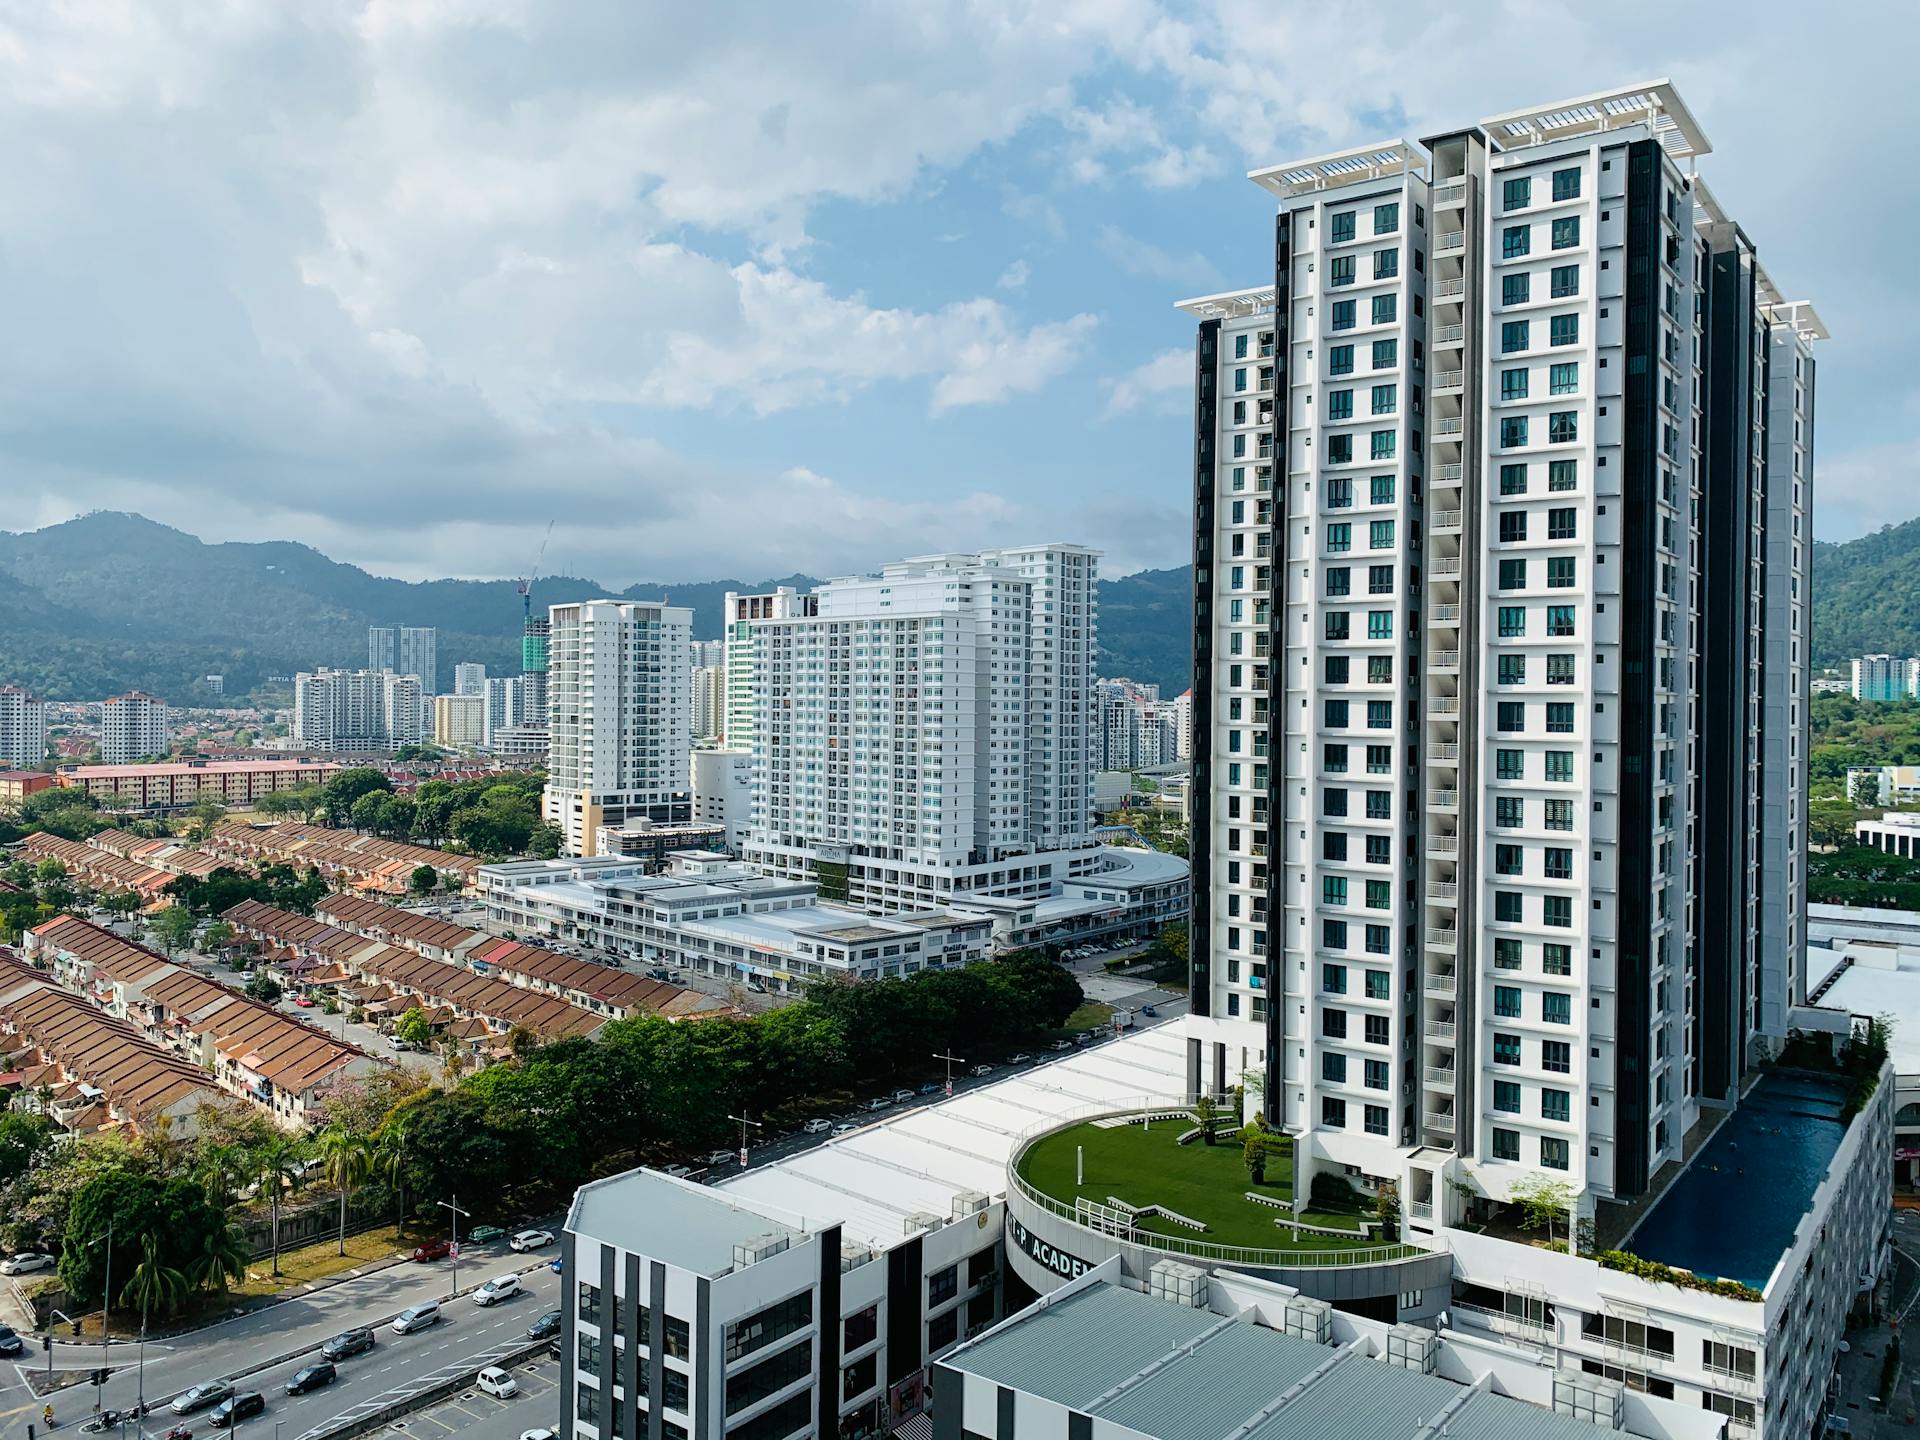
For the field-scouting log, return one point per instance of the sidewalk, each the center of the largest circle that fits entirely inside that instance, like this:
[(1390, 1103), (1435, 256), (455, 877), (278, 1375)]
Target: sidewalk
[(1859, 1371)]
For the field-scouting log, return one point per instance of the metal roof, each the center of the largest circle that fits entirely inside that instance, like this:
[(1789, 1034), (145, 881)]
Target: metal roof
[(1230, 304), (1343, 167), (1655, 103)]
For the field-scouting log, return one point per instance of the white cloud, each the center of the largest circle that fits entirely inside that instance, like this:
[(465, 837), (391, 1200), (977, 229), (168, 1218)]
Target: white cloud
[(1139, 257), (1014, 277), (1863, 489), (1164, 383)]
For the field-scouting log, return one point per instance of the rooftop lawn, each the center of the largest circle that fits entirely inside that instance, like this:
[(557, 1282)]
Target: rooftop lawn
[(1145, 1166)]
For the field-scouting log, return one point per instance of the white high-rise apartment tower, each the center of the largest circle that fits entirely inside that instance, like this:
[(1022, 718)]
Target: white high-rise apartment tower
[(132, 727), (741, 615), (406, 650), (470, 678), (618, 676), (1501, 585), (342, 710), (23, 727)]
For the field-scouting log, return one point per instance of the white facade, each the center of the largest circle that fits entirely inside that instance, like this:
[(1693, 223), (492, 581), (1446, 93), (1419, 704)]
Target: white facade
[(133, 727), (742, 613), (23, 727), (707, 703), (470, 678), (1136, 730), (617, 682), (406, 709), (723, 793), (507, 704), (343, 710), (459, 721), (1883, 677), (406, 650)]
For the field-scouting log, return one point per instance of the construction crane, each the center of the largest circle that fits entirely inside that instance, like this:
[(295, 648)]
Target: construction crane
[(525, 584)]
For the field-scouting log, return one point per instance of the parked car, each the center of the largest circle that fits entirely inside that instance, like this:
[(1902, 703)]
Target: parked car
[(498, 1383), (843, 1128), (1087, 1037), (721, 1157), (241, 1407), (417, 1317), (932, 1087), (349, 1343), (1019, 1057), (1149, 1012), (311, 1377), (498, 1288), (540, 1434), (25, 1263), (1060, 1045), (902, 1096), (207, 1392), (10, 1343), (981, 1070), (530, 1240), (817, 1127), (483, 1233), (547, 1325), (432, 1250), (880, 1102), (679, 1172)]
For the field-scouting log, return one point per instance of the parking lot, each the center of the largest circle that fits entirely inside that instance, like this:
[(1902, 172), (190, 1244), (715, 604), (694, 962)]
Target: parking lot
[(475, 1416)]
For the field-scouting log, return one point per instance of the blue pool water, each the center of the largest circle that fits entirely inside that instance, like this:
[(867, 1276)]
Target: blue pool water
[(1732, 1212)]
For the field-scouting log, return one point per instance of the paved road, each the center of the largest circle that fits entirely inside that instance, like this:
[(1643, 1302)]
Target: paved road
[(172, 1366), (473, 1416)]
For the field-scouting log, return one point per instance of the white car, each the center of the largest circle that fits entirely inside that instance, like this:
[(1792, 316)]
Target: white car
[(844, 1129), (498, 1383), (25, 1263), (817, 1127), (530, 1240), (541, 1434), (498, 1288)]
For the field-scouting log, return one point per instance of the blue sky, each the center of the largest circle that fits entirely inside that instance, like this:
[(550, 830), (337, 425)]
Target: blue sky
[(743, 289)]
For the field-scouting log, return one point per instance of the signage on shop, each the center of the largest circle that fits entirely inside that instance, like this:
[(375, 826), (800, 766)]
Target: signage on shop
[(1045, 1254)]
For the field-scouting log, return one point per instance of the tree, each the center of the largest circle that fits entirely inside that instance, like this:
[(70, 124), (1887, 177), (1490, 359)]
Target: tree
[(1207, 1114), (154, 1284), (49, 870), (345, 789), (263, 987), (392, 1155), (1253, 1151), (173, 927), (412, 1028), (220, 1258), (216, 936), (204, 817), (24, 1138), (423, 880), (347, 1161), (1866, 790), (275, 1165), (367, 810), (1542, 1200)]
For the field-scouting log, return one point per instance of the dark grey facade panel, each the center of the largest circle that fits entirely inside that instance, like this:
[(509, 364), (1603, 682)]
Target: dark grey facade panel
[(1206, 357)]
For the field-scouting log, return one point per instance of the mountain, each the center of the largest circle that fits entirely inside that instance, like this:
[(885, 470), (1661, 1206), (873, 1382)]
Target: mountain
[(111, 602), (1866, 596)]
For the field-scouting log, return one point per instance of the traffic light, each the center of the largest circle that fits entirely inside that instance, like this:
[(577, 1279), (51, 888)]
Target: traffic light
[(46, 1344), (100, 1376)]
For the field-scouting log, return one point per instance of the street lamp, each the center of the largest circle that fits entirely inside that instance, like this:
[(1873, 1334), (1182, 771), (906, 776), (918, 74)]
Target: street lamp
[(952, 1060), (453, 1248), (744, 1123)]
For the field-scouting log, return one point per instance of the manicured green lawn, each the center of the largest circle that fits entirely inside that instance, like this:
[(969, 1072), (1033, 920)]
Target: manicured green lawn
[(1205, 1183)]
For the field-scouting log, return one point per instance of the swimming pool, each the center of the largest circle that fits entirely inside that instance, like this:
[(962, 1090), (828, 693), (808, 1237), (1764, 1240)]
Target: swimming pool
[(1732, 1212)]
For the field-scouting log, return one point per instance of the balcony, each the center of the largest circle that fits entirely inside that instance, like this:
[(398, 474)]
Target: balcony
[(1439, 1075), (1440, 1030), (1444, 614), (1446, 659), (1446, 569), (1443, 844), (1440, 984), (1450, 194), (1453, 242), (1449, 474), (1449, 289), (1453, 425), (1441, 1121), (1449, 335), (1449, 382), (1444, 752), (1420, 1209), (1443, 705), (1446, 520), (1443, 799), (1443, 937)]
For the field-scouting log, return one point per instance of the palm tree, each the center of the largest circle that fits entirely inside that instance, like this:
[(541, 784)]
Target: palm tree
[(223, 1169), (223, 1257), (274, 1164), (154, 1286), (347, 1162), (391, 1156)]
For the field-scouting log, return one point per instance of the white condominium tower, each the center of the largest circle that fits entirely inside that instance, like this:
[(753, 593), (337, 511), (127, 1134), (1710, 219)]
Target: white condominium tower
[(1501, 569), (470, 678), (922, 735), (342, 710), (23, 727), (743, 613), (618, 673), (405, 650), (132, 727)]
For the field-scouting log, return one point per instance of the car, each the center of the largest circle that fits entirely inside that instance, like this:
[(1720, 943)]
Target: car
[(981, 1070), (348, 1343), (311, 1377), (530, 1240), (843, 1128), (241, 1407), (880, 1102), (545, 1327), (721, 1157), (1019, 1057), (932, 1087), (1149, 1012), (432, 1250), (305, 1002), (679, 1172), (900, 1097), (483, 1233), (25, 1263), (541, 1434), (498, 1383), (10, 1343), (817, 1127), (1087, 1037), (559, 1264), (417, 1317), (207, 1392), (498, 1288), (1060, 1045)]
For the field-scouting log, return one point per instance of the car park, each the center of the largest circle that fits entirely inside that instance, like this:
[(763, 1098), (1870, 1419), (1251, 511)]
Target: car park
[(530, 1240), (498, 1288), (241, 1407), (208, 1392), (498, 1383), (547, 1326), (817, 1127), (25, 1263), (417, 1317), (349, 1343), (432, 1250), (311, 1377)]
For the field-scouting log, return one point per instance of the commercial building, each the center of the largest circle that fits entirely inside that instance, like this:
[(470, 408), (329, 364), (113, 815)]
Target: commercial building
[(723, 793), (23, 727), (406, 650), (1865, 962), (616, 716), (17, 785), (1895, 832), (652, 841), (177, 784), (470, 678), (1884, 677), (133, 727), (710, 915), (521, 743), (739, 617), (459, 721)]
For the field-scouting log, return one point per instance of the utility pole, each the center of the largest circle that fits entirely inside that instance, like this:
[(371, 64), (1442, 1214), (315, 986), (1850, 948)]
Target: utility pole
[(744, 1123), (106, 1320), (952, 1060), (453, 1248)]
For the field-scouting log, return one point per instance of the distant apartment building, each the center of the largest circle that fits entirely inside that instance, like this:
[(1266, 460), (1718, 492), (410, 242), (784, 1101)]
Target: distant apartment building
[(17, 785), (617, 680), (723, 793), (23, 727), (469, 678), (405, 709), (133, 727), (740, 617), (707, 704), (533, 668), (406, 650), (175, 785), (1136, 729), (1884, 677), (459, 721), (506, 705), (355, 710)]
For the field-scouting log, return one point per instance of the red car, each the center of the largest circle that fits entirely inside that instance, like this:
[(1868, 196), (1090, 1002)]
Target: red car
[(433, 1250), (303, 1002)]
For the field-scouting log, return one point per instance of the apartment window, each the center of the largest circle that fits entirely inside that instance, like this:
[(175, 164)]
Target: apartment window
[(1558, 912), (1556, 959), (1386, 218), (1339, 404), (1240, 378), (1560, 572), (1386, 264), (1563, 427), (1333, 888), (1333, 933), (1339, 449), (1380, 534), (1507, 909), (1333, 802), (1563, 282), (1513, 478), (1379, 762), (1375, 1075), (1379, 579), (1556, 1006), (1333, 979), (1343, 315), (1509, 812), (1562, 524), (1379, 895), (1559, 621), (1560, 766), (1513, 383), (1333, 1112), (1506, 1096), (1559, 863), (1510, 717), (1508, 859), (1506, 1049), (1376, 1119), (1379, 624), (1333, 1024), (1339, 537), (1516, 194), (1380, 802), (1340, 270), (1333, 1067), (1513, 336), (1379, 940), (1513, 669), (1334, 714), (1553, 1153), (1506, 953), (1239, 347), (1566, 232), (1564, 379), (1566, 185), (1514, 288), (1506, 1143), (1340, 227), (1513, 526), (1338, 623), (1563, 474), (1515, 241), (1559, 815), (1510, 765), (1727, 1360), (1513, 432), (1340, 360), (1380, 488), (1339, 493), (1376, 1032), (1386, 309), (1339, 580), (1513, 574), (1559, 717), (1379, 717), (1513, 618), (1386, 354), (1385, 399), (1379, 987), (1556, 1056), (1563, 330)]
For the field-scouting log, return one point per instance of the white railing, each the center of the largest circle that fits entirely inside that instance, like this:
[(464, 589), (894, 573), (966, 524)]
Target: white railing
[(1443, 844), (1446, 569), (1450, 243), (1448, 380), (1443, 936), (1439, 1029), (1446, 519), (1420, 1209), (1444, 752), (1443, 799), (1439, 1074), (1449, 289), (1444, 614), (1453, 425), (1452, 193), (1441, 889), (1449, 334), (1443, 705), (1449, 474), (1446, 659), (1438, 1121), (1440, 984)]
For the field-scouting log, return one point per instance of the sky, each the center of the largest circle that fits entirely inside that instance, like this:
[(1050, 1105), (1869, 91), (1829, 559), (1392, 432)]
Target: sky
[(739, 289)]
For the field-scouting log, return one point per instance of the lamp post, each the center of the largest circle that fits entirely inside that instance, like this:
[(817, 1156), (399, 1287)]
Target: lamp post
[(952, 1060), (453, 1248), (744, 1123)]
